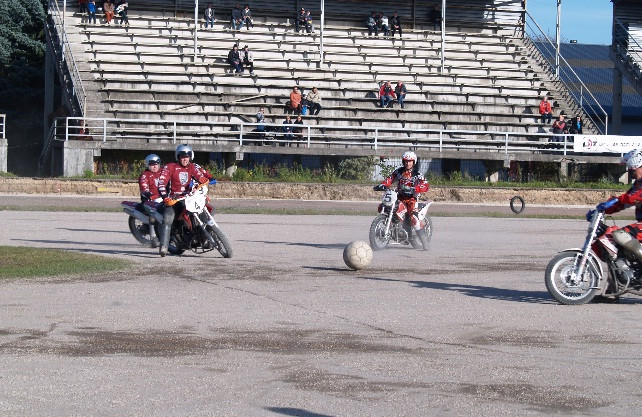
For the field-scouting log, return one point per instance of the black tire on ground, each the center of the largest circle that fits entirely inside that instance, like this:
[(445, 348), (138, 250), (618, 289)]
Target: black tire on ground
[(557, 276), (377, 241), (517, 208), (140, 230), (222, 242)]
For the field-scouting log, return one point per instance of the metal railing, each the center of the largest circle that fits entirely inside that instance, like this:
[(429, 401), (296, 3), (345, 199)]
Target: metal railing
[(66, 55), (46, 147), (576, 87), (627, 47), (3, 124), (240, 133)]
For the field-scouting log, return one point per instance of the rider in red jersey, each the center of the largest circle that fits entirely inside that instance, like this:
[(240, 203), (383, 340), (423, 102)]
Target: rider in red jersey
[(148, 184), (628, 237), (410, 183), (174, 182)]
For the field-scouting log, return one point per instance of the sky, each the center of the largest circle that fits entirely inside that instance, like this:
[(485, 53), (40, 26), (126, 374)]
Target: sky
[(586, 21)]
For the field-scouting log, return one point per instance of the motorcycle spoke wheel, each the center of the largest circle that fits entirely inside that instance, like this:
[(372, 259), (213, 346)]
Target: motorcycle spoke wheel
[(139, 230), (566, 288), (222, 242), (378, 239)]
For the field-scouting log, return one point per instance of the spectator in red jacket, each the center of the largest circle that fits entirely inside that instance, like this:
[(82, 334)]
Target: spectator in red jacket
[(546, 110)]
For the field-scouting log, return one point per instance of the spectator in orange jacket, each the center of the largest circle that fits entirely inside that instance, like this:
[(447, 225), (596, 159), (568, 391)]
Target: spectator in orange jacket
[(546, 110)]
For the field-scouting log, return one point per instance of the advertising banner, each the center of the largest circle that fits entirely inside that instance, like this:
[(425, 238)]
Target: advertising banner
[(606, 143)]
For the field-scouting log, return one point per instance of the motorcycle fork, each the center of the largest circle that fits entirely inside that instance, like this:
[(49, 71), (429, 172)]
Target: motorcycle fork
[(201, 225), (393, 212)]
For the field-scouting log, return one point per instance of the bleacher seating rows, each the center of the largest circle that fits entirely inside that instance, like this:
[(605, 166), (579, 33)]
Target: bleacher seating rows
[(146, 71)]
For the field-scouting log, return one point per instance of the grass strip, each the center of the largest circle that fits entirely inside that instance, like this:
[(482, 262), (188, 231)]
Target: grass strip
[(26, 262)]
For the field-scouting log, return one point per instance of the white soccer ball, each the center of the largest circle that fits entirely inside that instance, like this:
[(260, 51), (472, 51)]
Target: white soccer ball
[(357, 255)]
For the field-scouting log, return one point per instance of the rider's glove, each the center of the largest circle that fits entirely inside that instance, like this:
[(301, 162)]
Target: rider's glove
[(605, 205), (379, 187), (145, 196), (203, 180), (589, 215)]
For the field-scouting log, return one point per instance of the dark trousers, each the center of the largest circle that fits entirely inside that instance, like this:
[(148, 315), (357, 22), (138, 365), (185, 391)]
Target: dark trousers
[(398, 28)]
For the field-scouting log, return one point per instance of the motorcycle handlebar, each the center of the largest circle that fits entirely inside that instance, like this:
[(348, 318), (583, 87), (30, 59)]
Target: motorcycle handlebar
[(173, 201)]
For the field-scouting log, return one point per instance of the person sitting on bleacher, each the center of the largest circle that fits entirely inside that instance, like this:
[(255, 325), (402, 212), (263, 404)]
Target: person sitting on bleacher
[(308, 21), (313, 101), (121, 9), (559, 127), (287, 128), (209, 16), (248, 59), (247, 17), (301, 20), (236, 19), (383, 24), (234, 59), (400, 92), (545, 110), (371, 24), (395, 25), (108, 8), (386, 94), (294, 106), (434, 17)]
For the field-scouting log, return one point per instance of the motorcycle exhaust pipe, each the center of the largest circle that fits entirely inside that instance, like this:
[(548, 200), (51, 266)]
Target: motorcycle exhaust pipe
[(138, 215)]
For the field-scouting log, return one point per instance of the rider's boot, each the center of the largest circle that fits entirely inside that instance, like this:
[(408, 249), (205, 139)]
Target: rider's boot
[(629, 243), (423, 237), (152, 235), (165, 231)]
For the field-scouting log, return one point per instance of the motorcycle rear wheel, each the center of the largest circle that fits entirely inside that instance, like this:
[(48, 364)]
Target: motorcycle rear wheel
[(140, 230), (378, 241), (222, 242), (558, 274), (414, 240)]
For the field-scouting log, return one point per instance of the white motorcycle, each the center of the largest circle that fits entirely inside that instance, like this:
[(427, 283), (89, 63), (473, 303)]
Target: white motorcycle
[(392, 225)]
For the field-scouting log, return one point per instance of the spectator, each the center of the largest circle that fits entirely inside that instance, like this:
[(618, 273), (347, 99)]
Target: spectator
[(371, 23), (108, 8), (91, 11), (301, 20), (236, 19), (308, 21), (234, 59), (400, 92), (209, 16), (121, 9), (260, 118), (294, 106), (386, 94), (575, 125), (559, 127), (287, 128), (248, 59), (383, 24), (82, 7), (395, 25), (247, 17), (546, 110), (298, 128), (313, 100), (434, 17)]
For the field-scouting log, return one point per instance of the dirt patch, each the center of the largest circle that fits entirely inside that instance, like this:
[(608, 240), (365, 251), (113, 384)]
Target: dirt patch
[(308, 191)]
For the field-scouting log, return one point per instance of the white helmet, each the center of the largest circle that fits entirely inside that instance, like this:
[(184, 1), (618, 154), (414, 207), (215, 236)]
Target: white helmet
[(409, 156), (184, 150), (152, 158), (633, 159)]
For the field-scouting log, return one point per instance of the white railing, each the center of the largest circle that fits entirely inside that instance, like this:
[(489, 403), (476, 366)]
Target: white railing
[(627, 48), (3, 123), (344, 139), (66, 55), (579, 91)]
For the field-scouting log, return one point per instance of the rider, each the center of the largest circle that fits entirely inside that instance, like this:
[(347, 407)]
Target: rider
[(410, 183), (148, 184), (174, 180), (628, 236)]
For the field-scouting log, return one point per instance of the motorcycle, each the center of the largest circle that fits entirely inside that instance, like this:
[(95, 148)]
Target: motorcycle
[(195, 228), (392, 224), (600, 268), (139, 218)]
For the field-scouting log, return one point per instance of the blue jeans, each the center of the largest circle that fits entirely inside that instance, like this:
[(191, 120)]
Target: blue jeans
[(209, 20), (236, 26), (400, 99), (385, 100)]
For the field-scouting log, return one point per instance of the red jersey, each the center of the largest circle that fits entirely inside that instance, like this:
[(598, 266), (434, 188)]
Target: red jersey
[(545, 107), (175, 178), (148, 183), (409, 183), (633, 197)]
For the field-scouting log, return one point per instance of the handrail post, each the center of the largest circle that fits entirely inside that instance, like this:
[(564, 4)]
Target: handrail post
[(308, 127), (174, 131), (104, 130), (67, 129), (376, 138), (241, 134), (506, 143), (441, 140)]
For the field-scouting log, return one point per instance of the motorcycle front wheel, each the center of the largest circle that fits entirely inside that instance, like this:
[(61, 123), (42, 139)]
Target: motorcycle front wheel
[(414, 240), (222, 242), (559, 280), (140, 230), (378, 238)]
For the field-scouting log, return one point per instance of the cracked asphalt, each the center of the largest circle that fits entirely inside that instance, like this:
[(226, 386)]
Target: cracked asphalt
[(286, 329)]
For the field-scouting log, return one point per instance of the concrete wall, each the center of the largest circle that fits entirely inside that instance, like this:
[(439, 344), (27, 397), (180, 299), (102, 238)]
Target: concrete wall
[(3, 155), (77, 157)]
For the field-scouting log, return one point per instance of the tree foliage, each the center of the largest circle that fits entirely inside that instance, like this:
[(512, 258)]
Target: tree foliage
[(22, 51)]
